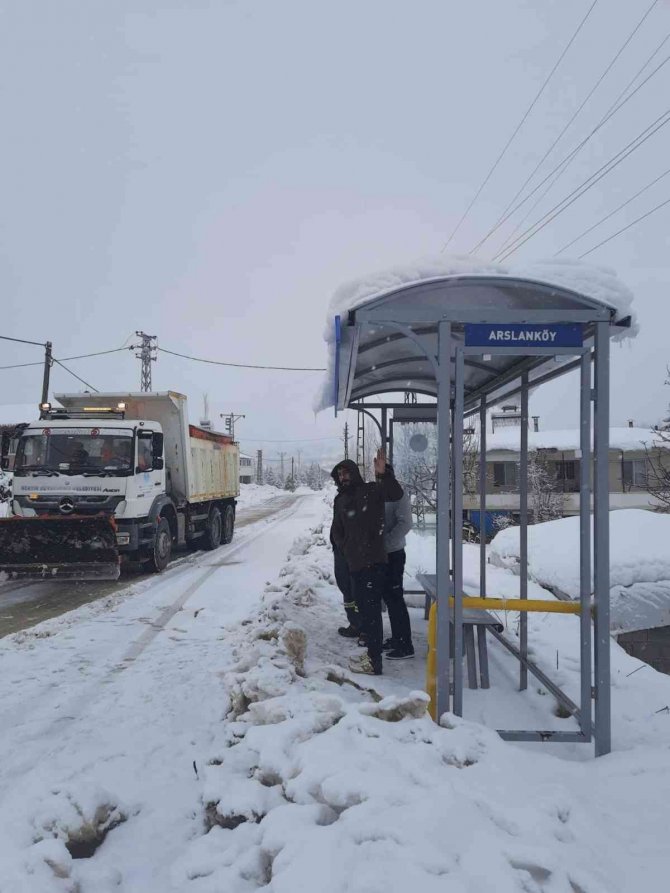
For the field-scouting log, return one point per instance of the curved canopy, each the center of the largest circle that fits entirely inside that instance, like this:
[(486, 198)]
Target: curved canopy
[(387, 342)]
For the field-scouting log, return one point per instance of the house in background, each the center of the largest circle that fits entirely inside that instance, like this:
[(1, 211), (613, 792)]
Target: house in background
[(629, 466), (247, 472)]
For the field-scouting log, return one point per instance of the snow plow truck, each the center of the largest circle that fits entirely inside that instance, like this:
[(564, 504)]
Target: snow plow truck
[(108, 478)]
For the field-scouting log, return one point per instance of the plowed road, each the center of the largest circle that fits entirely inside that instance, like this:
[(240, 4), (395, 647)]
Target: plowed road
[(25, 604)]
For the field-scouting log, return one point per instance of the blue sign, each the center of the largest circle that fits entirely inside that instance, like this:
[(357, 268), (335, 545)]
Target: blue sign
[(338, 340), (520, 335)]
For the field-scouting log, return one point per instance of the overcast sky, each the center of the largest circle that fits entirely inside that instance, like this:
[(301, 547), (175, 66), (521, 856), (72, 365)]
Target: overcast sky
[(210, 172)]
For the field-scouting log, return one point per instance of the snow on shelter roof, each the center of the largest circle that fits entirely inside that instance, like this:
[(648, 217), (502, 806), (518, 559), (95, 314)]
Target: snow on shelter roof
[(368, 357)]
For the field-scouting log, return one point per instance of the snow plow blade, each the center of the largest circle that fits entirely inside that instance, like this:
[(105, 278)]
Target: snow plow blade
[(55, 548)]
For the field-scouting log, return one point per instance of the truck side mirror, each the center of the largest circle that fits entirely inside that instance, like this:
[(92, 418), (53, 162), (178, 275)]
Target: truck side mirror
[(157, 445), (157, 464)]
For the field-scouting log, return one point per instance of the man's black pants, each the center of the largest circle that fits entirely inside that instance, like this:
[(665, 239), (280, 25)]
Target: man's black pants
[(369, 588), (346, 586), (401, 631)]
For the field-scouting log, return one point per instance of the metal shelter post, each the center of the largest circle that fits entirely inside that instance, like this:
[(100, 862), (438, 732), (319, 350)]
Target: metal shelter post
[(482, 498), (585, 543), (443, 511), (457, 530), (523, 533), (384, 433), (601, 638)]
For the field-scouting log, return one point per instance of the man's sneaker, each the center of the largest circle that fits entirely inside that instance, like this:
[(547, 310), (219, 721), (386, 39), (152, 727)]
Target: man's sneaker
[(348, 632), (388, 645), (400, 654), (365, 666)]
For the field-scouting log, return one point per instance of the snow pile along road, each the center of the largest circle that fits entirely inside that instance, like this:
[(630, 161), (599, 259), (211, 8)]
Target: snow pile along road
[(639, 563)]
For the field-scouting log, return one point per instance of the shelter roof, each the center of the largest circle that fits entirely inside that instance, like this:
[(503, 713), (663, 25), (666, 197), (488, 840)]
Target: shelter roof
[(370, 355)]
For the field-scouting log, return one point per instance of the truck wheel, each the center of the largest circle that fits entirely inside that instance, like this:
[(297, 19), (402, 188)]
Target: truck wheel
[(162, 550), (228, 524), (213, 530)]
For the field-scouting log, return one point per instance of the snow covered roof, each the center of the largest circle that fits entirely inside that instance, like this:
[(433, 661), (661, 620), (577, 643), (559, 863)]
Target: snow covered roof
[(367, 356), (16, 413), (507, 439)]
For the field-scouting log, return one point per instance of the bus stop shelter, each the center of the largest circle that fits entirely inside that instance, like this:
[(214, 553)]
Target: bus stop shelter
[(464, 342)]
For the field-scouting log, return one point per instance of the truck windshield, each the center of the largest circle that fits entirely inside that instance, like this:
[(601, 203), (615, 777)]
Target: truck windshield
[(75, 451)]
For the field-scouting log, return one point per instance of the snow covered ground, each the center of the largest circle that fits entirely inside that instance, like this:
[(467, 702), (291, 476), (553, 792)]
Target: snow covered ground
[(208, 720), (254, 494)]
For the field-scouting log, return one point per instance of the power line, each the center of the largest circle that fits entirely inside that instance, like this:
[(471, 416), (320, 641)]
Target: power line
[(563, 165), (242, 365), (567, 126), (23, 341), (612, 213), (628, 226), (591, 181), (299, 440), (82, 356), (76, 376), (519, 126)]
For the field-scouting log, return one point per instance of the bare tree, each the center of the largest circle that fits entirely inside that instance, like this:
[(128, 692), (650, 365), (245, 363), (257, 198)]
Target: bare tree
[(545, 498)]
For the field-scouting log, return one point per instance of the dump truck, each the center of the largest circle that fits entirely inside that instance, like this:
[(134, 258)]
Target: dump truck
[(105, 479)]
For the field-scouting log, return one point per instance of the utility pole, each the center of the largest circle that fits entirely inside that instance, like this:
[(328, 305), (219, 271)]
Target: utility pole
[(292, 469), (147, 353), (346, 440), (229, 421), (48, 363), (281, 457), (259, 466)]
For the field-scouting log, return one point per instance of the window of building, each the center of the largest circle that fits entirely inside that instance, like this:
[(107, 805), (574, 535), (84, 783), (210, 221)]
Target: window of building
[(505, 474), (566, 470), (635, 472)]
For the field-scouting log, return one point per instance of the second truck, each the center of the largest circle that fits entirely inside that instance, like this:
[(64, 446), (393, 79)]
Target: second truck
[(111, 478)]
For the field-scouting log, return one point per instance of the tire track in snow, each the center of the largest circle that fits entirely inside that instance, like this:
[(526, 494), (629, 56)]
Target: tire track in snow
[(85, 700)]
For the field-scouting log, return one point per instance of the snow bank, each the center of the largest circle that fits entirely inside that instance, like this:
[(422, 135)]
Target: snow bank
[(639, 550), (639, 562), (254, 494), (598, 283)]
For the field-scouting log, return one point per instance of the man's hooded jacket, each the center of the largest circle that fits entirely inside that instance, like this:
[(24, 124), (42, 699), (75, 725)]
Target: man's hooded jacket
[(358, 516)]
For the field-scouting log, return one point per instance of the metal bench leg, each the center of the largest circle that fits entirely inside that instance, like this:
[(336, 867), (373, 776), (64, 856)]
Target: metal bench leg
[(483, 657), (469, 638)]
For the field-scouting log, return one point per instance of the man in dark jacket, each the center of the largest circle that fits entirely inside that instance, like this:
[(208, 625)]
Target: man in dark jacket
[(358, 532), (344, 582)]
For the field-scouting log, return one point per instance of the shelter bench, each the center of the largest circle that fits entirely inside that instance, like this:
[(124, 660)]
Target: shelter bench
[(473, 618)]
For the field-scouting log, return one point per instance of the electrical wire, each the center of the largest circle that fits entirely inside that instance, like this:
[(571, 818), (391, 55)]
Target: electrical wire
[(563, 165), (22, 341), (76, 376), (612, 213), (299, 440), (518, 127), (628, 226), (591, 181), (565, 128), (242, 365), (82, 356)]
